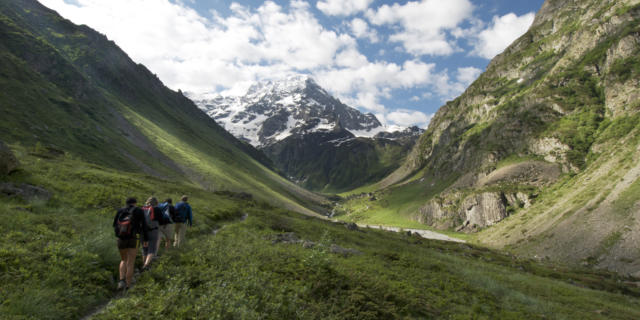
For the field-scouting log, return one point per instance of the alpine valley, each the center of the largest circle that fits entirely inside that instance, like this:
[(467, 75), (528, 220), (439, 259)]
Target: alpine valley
[(533, 171), (312, 137)]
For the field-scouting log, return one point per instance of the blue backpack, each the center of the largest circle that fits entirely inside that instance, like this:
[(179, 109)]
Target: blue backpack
[(165, 208), (181, 213)]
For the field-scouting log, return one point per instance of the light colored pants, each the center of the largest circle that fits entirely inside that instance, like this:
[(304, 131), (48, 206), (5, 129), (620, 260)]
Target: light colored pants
[(166, 232), (180, 229)]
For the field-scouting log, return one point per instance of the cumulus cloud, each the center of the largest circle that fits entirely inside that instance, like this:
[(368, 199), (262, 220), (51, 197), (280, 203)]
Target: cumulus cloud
[(407, 118), (424, 25), (467, 75), (227, 54), (342, 7), (197, 54), (363, 86), (501, 33), (360, 29)]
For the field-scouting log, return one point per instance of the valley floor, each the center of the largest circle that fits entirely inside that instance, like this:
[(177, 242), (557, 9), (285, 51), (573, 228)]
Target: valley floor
[(58, 261)]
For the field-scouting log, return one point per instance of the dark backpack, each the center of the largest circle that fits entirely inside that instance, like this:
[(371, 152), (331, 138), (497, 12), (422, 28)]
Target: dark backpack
[(150, 217), (124, 224), (166, 213), (181, 213)]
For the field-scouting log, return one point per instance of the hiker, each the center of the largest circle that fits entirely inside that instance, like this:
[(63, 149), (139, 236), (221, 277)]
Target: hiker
[(182, 217), (128, 223), (166, 223), (152, 216)]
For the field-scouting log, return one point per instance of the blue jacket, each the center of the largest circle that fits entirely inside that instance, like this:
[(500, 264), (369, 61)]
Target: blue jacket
[(189, 217)]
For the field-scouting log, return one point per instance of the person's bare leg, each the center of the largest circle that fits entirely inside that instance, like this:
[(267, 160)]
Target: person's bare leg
[(131, 259), (148, 259), (123, 264)]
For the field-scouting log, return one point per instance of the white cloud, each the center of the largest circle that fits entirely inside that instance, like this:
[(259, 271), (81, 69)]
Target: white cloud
[(197, 54), (502, 32), (467, 75), (342, 7), (424, 24), (407, 118), (360, 29), (415, 98), (227, 54), (363, 86)]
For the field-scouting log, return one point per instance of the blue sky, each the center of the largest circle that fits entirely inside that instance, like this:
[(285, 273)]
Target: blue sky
[(400, 60)]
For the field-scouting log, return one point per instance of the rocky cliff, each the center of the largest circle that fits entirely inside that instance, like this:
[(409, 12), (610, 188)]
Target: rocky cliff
[(566, 97)]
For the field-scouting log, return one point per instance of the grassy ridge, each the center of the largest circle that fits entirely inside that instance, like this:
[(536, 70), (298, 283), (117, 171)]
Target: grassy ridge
[(70, 88)]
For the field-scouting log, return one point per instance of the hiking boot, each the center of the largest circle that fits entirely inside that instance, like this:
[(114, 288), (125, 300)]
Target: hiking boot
[(122, 284)]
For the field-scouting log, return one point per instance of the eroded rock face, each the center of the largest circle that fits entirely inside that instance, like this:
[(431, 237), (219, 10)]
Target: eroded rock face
[(8, 162), (484, 209), (471, 212)]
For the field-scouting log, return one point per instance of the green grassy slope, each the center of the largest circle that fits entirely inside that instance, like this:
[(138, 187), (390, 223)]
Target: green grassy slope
[(565, 92), (58, 261), (69, 88)]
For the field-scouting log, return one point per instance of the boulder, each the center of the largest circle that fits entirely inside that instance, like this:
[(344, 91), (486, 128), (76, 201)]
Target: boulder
[(287, 237), (25, 191), (352, 226), (8, 162), (345, 252)]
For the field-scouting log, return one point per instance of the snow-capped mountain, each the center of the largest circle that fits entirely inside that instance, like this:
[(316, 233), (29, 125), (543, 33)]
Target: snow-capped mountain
[(311, 137), (272, 111)]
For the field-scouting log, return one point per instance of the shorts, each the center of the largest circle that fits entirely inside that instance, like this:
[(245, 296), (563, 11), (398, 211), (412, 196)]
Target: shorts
[(152, 248), (166, 231), (127, 243)]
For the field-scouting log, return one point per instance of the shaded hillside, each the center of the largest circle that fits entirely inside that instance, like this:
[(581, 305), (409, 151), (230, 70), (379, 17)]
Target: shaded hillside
[(70, 89), (336, 161), (311, 137), (549, 133)]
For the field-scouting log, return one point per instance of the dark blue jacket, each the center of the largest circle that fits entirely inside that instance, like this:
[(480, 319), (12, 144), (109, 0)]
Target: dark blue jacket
[(187, 209)]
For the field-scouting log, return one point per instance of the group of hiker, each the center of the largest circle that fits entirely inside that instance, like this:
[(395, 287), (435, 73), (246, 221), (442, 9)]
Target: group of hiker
[(148, 225)]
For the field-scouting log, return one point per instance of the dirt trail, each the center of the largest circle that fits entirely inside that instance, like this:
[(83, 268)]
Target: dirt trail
[(101, 307), (427, 234)]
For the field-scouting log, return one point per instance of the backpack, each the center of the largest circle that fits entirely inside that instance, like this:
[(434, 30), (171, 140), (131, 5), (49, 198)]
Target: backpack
[(150, 217), (124, 224), (181, 213), (166, 213)]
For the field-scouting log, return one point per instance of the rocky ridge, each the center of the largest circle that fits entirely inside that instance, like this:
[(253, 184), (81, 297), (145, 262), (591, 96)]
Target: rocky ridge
[(311, 137), (271, 111), (565, 95)]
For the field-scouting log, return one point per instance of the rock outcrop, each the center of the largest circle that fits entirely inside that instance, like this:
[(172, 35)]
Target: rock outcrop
[(8, 161), (25, 191), (471, 212)]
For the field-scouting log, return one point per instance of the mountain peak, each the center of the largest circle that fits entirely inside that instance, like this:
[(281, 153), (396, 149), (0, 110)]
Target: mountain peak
[(271, 111)]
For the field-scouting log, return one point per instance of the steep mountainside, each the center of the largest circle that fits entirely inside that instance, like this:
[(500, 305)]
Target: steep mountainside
[(68, 89), (547, 136), (88, 128), (312, 137)]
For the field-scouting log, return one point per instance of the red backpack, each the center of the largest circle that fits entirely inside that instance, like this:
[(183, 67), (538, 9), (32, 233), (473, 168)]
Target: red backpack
[(124, 224), (150, 217)]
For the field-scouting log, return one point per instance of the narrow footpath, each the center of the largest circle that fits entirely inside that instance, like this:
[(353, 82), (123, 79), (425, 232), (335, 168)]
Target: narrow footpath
[(119, 294)]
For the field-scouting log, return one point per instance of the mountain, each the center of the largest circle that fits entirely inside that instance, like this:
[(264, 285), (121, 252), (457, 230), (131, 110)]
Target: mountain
[(87, 128), (539, 153), (69, 88), (274, 110), (310, 136)]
